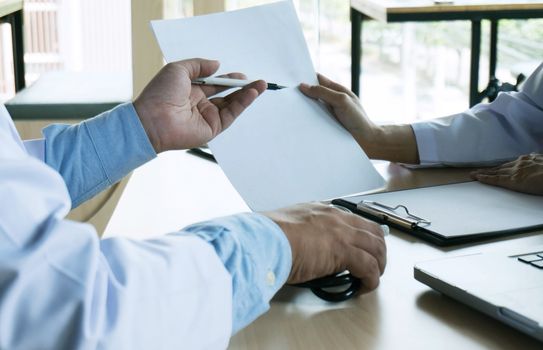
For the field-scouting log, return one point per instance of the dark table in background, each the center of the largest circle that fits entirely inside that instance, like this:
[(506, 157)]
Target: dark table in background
[(425, 11)]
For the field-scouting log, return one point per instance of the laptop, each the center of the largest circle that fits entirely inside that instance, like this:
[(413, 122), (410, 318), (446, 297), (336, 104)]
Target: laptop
[(507, 286)]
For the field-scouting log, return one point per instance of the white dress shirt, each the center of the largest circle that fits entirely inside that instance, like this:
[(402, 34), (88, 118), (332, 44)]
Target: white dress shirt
[(487, 134)]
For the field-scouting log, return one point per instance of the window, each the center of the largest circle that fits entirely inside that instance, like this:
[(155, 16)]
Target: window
[(74, 35), (411, 71)]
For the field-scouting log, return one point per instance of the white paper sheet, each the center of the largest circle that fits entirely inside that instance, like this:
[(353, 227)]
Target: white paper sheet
[(285, 148)]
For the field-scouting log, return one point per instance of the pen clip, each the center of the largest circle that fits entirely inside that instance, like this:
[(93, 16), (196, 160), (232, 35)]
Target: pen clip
[(390, 214)]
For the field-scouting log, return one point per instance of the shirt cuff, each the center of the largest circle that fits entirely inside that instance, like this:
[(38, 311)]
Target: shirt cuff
[(426, 144), (120, 140), (256, 253)]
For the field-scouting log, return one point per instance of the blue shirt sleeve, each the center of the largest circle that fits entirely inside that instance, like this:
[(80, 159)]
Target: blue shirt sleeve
[(257, 255), (98, 152), (95, 154)]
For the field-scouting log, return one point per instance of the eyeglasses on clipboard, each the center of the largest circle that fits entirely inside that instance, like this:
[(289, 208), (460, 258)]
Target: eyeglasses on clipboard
[(334, 288)]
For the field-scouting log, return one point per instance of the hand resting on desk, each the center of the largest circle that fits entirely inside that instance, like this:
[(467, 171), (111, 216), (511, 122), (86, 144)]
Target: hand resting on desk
[(325, 240), (525, 174)]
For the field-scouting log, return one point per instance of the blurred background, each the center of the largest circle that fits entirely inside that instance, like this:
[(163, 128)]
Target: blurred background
[(411, 71)]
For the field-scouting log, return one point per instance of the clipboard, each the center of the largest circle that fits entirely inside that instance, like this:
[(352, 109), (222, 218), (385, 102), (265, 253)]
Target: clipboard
[(452, 214)]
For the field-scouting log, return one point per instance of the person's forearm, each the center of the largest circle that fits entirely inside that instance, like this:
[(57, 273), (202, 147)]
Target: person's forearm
[(395, 143), (98, 152), (488, 133)]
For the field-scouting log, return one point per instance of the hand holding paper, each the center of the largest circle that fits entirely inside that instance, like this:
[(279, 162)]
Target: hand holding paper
[(286, 148), (394, 143), (179, 115)]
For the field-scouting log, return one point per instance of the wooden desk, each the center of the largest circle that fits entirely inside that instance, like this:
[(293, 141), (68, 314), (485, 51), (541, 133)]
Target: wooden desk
[(11, 11), (425, 10), (177, 189)]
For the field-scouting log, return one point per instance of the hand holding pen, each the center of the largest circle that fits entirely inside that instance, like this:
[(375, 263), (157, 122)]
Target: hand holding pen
[(177, 114)]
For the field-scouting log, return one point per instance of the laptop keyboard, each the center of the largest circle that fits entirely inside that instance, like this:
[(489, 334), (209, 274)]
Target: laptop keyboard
[(534, 259)]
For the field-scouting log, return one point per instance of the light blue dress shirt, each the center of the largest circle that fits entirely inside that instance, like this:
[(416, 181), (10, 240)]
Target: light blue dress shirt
[(488, 133), (61, 287)]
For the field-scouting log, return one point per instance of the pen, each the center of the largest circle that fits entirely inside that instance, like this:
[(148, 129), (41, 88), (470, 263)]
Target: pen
[(232, 82), (203, 152)]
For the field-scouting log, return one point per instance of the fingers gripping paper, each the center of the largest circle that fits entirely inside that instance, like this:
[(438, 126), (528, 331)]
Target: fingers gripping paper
[(285, 148)]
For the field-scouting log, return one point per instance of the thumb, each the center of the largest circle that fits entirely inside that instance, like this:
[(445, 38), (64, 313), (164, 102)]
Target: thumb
[(199, 67)]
